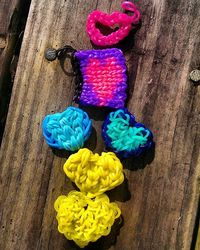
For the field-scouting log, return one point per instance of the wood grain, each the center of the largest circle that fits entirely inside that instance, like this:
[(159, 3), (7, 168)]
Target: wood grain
[(8, 30), (7, 41), (12, 13), (159, 200)]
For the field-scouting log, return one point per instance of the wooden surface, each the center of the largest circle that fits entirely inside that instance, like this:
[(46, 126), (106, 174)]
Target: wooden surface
[(159, 200), (12, 13), (8, 32)]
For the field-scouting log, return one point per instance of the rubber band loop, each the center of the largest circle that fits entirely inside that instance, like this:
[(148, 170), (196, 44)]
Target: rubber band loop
[(126, 5), (129, 6), (122, 20)]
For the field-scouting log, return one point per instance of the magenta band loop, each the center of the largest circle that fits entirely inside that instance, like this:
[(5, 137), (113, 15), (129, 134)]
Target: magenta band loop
[(129, 6), (116, 19)]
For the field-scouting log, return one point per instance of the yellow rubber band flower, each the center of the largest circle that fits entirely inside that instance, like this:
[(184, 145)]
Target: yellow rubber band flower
[(94, 174), (85, 220)]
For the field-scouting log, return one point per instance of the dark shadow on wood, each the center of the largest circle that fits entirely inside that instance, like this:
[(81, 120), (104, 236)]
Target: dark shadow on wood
[(14, 39), (91, 143), (196, 228), (104, 242), (126, 44), (120, 193), (95, 113), (67, 69), (105, 30), (61, 153), (75, 187), (140, 162)]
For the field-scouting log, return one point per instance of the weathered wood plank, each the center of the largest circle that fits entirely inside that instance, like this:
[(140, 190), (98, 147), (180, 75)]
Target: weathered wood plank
[(164, 192), (7, 41), (12, 14), (8, 30)]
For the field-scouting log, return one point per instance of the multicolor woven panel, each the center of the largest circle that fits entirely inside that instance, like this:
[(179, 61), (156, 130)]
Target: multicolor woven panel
[(103, 78)]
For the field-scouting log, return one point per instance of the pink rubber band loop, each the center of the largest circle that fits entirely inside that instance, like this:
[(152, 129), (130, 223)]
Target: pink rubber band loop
[(120, 19), (129, 6)]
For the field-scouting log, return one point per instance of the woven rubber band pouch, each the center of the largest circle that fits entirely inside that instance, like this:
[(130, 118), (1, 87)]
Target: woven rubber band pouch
[(101, 76)]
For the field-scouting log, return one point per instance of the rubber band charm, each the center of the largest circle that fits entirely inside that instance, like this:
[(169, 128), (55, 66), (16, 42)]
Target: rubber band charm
[(103, 78), (85, 220), (124, 136), (101, 75), (122, 21), (67, 130), (94, 174)]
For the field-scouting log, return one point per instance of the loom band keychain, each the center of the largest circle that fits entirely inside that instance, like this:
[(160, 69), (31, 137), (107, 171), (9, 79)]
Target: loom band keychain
[(66, 52), (51, 54), (125, 136), (123, 22), (101, 76)]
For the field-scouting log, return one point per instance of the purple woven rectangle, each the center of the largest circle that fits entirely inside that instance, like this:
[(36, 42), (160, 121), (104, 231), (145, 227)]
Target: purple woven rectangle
[(104, 77)]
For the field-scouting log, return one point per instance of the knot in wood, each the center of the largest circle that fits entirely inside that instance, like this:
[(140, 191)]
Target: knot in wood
[(2, 42)]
